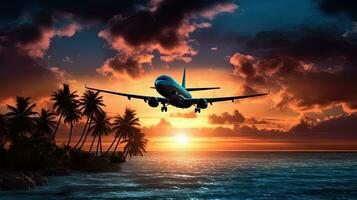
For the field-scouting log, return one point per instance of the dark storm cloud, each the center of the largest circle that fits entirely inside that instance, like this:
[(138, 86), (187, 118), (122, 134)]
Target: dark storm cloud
[(340, 125), (88, 10), (164, 26), (123, 64), (309, 66), (335, 7), (160, 25), (323, 45), (11, 9), (27, 33), (21, 48)]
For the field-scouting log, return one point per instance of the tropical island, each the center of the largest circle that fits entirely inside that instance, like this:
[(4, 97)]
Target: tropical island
[(29, 152)]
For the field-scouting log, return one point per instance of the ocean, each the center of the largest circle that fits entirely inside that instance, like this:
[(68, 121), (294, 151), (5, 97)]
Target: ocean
[(211, 175)]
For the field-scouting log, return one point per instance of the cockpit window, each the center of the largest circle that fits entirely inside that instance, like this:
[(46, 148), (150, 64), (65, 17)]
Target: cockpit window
[(164, 78)]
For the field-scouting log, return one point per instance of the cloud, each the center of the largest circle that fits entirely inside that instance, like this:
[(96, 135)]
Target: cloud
[(306, 44), (26, 33), (294, 66), (163, 128), (253, 120), (21, 49), (82, 10), (188, 115), (32, 79), (165, 28), (67, 59), (203, 25), (217, 9), (339, 125), (339, 129), (123, 64), (68, 30), (336, 7), (226, 118)]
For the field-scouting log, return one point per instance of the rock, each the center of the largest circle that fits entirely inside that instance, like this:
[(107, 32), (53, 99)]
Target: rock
[(18, 181)]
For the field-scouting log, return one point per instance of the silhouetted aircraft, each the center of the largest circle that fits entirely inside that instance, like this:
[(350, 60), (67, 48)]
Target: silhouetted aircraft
[(177, 95)]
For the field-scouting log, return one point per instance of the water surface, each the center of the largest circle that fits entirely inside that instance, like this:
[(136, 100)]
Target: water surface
[(212, 175)]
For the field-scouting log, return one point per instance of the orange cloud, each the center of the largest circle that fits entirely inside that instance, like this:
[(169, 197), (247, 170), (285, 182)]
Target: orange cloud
[(68, 30), (188, 115)]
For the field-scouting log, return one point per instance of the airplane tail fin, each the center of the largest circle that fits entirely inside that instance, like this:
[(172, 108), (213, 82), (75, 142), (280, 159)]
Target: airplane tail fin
[(184, 78)]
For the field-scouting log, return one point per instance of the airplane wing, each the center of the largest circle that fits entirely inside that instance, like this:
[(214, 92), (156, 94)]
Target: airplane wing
[(145, 98), (232, 98), (199, 89)]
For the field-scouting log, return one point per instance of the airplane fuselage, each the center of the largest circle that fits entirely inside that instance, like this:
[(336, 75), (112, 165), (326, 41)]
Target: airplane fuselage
[(172, 91)]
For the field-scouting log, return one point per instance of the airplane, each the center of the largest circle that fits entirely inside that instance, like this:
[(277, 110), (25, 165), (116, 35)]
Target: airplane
[(177, 95)]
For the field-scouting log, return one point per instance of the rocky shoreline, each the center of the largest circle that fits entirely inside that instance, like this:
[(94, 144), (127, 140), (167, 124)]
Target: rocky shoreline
[(26, 180)]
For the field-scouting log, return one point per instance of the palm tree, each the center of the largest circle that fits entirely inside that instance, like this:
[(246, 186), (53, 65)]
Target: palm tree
[(124, 127), (100, 127), (45, 124), (72, 116), (135, 145), (3, 130), (63, 99), (90, 104), (20, 118)]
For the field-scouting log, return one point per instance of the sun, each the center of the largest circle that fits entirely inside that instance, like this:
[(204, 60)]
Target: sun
[(182, 139)]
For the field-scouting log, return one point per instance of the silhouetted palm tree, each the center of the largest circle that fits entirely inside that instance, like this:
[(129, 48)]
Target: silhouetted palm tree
[(4, 134), (124, 127), (72, 116), (100, 127), (90, 104), (45, 124), (135, 145), (20, 118), (63, 98)]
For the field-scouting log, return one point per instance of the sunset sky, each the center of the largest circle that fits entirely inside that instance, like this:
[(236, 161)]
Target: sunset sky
[(304, 52)]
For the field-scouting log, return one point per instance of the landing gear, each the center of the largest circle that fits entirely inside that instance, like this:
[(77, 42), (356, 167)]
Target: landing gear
[(163, 108), (197, 110)]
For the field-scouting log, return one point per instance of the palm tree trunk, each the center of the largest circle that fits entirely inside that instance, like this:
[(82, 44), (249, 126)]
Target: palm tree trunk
[(116, 146), (58, 123), (125, 154), (83, 132), (88, 130), (100, 143), (70, 134), (96, 151), (110, 146), (90, 148)]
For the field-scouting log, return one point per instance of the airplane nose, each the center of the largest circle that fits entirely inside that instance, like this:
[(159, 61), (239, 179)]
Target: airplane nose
[(157, 82), (160, 83)]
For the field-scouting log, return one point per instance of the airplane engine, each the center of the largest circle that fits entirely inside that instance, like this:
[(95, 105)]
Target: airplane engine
[(202, 103), (153, 102)]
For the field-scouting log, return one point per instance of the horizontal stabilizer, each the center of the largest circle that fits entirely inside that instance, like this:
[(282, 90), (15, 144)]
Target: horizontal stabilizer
[(198, 89)]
